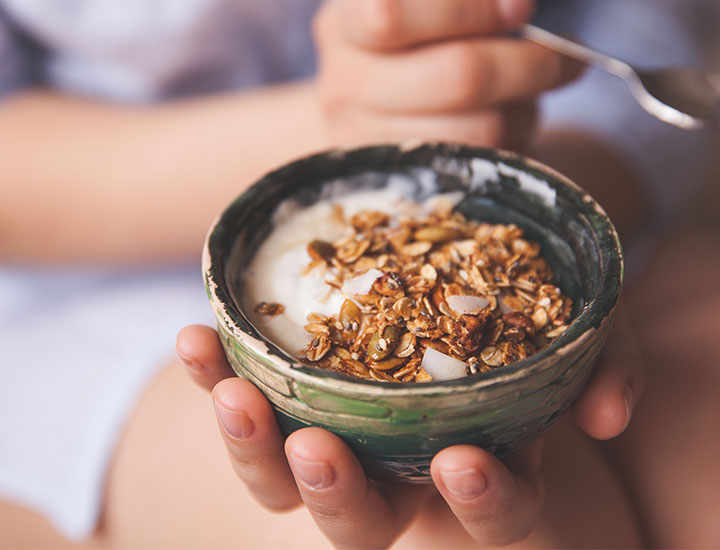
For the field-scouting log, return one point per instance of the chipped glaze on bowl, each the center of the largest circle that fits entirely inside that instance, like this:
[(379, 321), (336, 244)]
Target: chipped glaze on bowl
[(396, 429)]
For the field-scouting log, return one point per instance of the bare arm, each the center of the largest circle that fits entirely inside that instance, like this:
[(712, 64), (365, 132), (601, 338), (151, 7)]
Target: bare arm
[(81, 180)]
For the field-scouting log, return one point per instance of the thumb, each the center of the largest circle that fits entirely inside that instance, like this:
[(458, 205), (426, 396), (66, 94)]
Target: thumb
[(496, 504)]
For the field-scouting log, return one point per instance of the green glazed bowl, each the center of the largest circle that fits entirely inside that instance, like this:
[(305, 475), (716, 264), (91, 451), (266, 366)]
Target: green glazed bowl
[(396, 429)]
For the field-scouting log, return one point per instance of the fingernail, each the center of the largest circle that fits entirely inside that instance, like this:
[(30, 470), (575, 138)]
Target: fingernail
[(464, 484), (316, 475), (237, 424), (628, 406), (515, 12)]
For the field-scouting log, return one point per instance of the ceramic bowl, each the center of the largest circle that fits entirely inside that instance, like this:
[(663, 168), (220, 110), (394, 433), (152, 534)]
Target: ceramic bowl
[(395, 429)]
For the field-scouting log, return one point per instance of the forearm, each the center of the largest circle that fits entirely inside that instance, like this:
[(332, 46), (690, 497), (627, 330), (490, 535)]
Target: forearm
[(82, 180)]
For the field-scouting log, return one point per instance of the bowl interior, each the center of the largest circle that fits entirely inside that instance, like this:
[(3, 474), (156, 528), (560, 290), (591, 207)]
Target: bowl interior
[(577, 238)]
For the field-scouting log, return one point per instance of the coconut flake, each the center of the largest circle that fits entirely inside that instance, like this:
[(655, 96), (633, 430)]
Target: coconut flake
[(463, 304), (361, 284), (441, 366)]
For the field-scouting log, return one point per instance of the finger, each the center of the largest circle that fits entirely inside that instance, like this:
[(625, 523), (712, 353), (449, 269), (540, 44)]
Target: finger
[(254, 443), (452, 76), (497, 505), (510, 127), (392, 24), (350, 510), (605, 408), (199, 348)]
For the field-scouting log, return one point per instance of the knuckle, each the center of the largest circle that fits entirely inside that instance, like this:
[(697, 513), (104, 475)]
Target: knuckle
[(513, 534), (322, 25), (280, 506), (336, 88), (254, 473), (502, 539), (334, 101), (242, 460), (381, 22), (268, 490), (493, 530), (467, 77), (325, 513)]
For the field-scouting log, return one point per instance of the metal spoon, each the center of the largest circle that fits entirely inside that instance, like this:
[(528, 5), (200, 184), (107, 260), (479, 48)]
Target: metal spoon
[(684, 97)]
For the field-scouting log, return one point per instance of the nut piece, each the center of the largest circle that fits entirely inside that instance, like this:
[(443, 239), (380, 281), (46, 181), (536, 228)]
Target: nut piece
[(429, 273), (352, 250), (423, 376), (387, 364), (381, 376), (468, 330), (317, 348), (492, 356), (437, 234), (539, 317), (406, 345), (403, 307), (317, 328), (519, 320), (321, 250), (355, 368), (390, 284), (368, 219), (417, 248), (269, 308), (382, 345), (350, 319)]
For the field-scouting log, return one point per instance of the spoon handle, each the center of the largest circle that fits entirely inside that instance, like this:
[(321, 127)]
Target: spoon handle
[(575, 50)]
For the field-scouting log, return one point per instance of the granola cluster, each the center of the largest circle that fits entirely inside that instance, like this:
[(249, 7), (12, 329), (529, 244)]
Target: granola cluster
[(476, 292)]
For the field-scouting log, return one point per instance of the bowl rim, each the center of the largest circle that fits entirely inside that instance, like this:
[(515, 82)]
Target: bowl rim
[(230, 314)]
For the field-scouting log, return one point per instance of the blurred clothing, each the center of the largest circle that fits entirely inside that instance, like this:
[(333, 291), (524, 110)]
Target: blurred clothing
[(78, 346), (149, 50)]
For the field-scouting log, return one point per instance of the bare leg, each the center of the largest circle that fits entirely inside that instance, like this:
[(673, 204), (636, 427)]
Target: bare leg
[(22, 528), (172, 486)]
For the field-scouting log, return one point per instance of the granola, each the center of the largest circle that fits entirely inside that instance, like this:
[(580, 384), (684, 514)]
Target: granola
[(479, 294)]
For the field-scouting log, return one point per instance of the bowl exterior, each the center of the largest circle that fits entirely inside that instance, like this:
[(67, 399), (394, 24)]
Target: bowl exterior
[(396, 436)]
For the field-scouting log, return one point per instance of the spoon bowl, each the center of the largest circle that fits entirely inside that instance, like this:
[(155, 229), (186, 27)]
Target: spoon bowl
[(685, 97), (693, 93)]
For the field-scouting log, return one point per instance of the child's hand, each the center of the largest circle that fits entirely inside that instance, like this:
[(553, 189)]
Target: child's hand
[(496, 503), (403, 69)]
